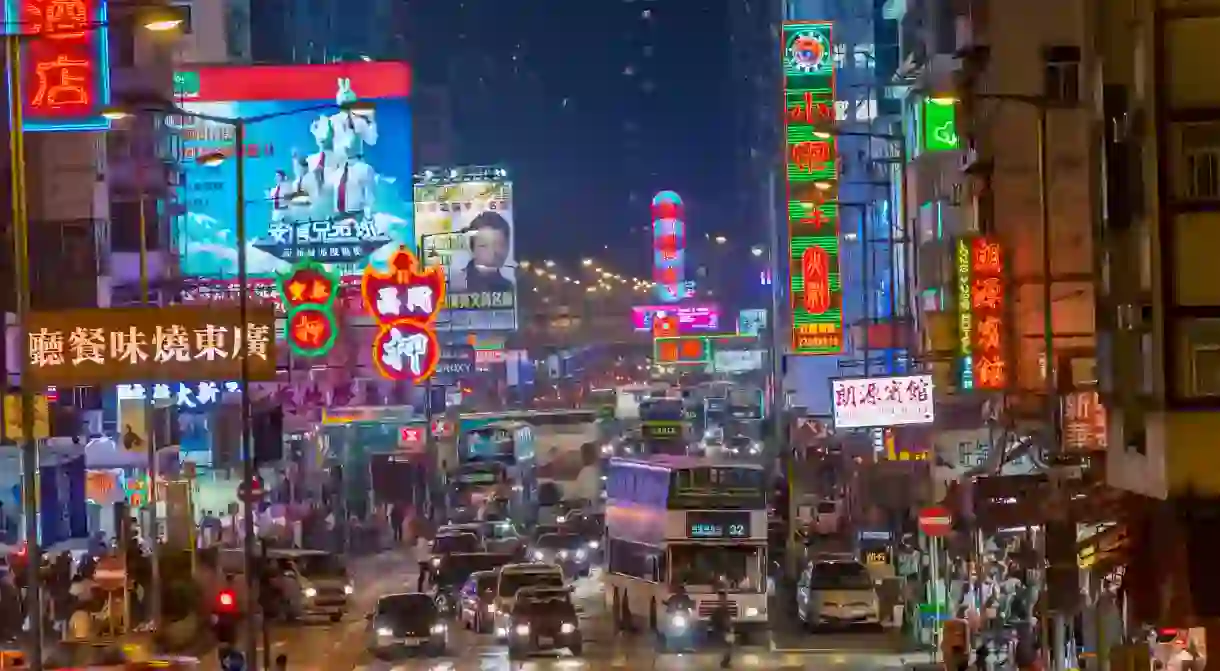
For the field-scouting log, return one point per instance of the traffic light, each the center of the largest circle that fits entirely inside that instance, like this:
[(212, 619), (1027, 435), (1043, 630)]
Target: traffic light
[(226, 601), (224, 626)]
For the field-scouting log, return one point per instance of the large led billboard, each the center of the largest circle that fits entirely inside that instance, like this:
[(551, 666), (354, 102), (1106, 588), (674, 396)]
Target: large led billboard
[(466, 226), (321, 182), (65, 62), (812, 175), (692, 318)]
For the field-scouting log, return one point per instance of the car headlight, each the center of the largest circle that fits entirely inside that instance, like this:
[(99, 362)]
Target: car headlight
[(436, 561), (562, 519), (751, 612), (438, 628), (567, 628), (522, 630), (310, 592), (385, 631), (593, 545), (580, 554), (348, 589), (538, 556), (563, 554), (678, 622), (501, 632)]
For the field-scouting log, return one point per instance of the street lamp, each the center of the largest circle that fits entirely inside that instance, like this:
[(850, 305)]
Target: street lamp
[(161, 21), (586, 262), (720, 239), (215, 159), (756, 250)]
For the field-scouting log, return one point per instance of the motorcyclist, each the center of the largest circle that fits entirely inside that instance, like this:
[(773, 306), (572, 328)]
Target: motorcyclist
[(679, 600)]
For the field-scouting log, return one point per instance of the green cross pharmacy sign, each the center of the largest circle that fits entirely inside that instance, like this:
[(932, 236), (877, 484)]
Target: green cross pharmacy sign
[(940, 124)]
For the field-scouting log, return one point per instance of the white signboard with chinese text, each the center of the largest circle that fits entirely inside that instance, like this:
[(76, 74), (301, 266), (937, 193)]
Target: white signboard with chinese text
[(882, 401), (181, 394)]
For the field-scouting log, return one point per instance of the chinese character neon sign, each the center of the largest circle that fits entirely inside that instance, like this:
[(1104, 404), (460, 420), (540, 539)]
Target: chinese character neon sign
[(668, 246), (682, 351), (181, 394), (987, 303), (981, 304), (307, 292), (404, 302), (813, 222), (65, 63)]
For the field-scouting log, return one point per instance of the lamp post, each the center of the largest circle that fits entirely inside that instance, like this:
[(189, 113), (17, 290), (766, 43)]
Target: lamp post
[(161, 20), (239, 125)]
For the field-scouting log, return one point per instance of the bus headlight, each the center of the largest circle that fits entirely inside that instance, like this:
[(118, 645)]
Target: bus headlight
[(751, 612)]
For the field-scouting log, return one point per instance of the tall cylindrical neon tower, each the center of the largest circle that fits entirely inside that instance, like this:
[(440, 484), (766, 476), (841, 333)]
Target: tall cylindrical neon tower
[(668, 246)]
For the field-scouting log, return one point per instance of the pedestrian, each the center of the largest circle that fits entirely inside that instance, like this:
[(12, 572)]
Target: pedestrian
[(722, 623), (398, 518), (423, 551)]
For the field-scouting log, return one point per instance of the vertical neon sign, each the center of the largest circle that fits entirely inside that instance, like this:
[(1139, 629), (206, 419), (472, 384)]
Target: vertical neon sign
[(811, 169), (65, 62), (668, 247), (965, 317), (987, 305)]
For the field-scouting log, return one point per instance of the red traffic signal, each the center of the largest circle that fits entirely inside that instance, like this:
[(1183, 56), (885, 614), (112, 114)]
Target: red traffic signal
[(226, 600)]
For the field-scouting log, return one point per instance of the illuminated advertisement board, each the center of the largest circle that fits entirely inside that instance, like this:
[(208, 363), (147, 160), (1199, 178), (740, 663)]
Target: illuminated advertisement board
[(812, 173), (669, 246), (882, 401), (691, 318), (321, 183), (981, 303), (65, 62), (467, 228)]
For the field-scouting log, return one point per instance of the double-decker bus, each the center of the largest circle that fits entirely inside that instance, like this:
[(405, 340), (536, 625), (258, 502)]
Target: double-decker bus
[(686, 521), (497, 458), (663, 425)]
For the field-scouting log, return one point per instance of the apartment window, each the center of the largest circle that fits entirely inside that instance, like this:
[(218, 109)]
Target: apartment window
[(1200, 340), (1200, 162), (1062, 78)]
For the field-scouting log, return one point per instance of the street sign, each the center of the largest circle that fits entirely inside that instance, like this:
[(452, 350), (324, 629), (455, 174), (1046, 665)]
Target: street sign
[(248, 492), (935, 521)]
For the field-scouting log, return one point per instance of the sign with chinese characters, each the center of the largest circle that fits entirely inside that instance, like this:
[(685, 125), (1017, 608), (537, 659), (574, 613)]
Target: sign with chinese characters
[(668, 246), (982, 308), (692, 318), (882, 401), (812, 170), (404, 302), (65, 62), (1084, 422), (307, 292), (682, 351), (940, 124), (156, 344), (465, 225), (181, 394)]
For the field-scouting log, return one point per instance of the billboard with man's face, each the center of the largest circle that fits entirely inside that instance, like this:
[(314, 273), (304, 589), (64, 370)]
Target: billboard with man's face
[(327, 166), (467, 227)]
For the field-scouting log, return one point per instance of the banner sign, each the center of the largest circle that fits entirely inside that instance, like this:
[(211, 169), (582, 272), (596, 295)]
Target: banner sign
[(882, 401)]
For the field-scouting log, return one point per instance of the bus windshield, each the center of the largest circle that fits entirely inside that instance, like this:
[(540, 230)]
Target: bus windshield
[(662, 410), (490, 443), (706, 568), (718, 487)]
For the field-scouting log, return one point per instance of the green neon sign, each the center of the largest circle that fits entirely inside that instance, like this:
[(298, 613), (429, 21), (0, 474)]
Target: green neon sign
[(940, 125), (308, 291)]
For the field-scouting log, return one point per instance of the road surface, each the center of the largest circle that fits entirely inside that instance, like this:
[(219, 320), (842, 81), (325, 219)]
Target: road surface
[(332, 647)]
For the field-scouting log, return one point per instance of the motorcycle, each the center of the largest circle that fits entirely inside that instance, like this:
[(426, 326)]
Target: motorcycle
[(446, 603), (678, 630)]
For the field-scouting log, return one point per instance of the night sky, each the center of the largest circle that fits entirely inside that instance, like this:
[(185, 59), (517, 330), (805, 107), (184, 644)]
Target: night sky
[(594, 106)]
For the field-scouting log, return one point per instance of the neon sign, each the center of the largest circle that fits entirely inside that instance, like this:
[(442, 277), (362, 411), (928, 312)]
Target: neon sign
[(65, 63), (965, 318), (813, 222), (307, 292), (404, 302), (668, 246), (988, 299), (682, 351)]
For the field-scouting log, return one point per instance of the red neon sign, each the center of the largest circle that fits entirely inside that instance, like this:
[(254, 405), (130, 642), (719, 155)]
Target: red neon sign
[(62, 64), (815, 271), (404, 302), (987, 302)]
